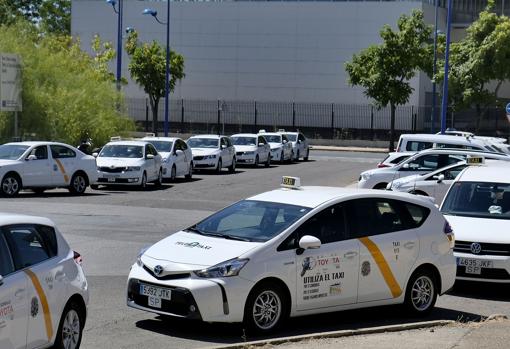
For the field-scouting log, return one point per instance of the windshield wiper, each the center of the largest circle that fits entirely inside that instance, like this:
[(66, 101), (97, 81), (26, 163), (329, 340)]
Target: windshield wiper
[(194, 229)]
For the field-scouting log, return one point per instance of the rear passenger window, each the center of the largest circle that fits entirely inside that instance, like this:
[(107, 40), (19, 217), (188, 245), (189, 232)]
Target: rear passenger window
[(60, 152), (418, 213), (418, 145)]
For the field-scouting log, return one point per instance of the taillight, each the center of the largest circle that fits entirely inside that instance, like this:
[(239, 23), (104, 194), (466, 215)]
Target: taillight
[(381, 165), (448, 231), (77, 258)]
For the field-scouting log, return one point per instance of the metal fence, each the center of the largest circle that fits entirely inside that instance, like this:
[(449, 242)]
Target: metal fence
[(316, 120)]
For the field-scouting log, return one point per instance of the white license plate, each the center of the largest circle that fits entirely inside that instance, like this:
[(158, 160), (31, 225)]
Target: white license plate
[(154, 302), (474, 266), (155, 294)]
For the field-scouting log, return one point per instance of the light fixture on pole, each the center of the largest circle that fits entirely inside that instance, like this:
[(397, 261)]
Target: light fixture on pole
[(444, 104), (119, 38), (154, 14)]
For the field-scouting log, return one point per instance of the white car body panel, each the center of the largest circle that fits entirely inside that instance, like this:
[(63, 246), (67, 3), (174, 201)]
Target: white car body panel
[(202, 156), (182, 160), (248, 154), (279, 148)]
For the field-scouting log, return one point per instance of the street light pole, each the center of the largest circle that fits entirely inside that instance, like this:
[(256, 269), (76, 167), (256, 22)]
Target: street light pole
[(433, 115), (444, 104), (119, 13)]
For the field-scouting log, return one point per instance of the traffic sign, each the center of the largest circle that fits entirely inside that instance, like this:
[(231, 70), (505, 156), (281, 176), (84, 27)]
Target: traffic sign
[(10, 82)]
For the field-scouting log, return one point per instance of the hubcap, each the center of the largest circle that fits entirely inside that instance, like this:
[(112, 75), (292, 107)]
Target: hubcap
[(267, 310), (10, 186), (71, 330), (79, 184), (422, 293)]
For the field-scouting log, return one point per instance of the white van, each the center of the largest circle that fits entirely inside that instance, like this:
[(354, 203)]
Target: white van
[(419, 142)]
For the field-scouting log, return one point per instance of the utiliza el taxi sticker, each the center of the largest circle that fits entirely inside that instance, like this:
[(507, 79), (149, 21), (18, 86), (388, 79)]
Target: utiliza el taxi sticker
[(326, 270), (6, 313)]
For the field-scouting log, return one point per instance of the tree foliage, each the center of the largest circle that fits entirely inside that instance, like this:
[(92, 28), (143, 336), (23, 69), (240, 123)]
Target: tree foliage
[(384, 70), (65, 95), (148, 69)]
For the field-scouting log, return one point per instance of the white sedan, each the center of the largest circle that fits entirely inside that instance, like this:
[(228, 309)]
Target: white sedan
[(175, 154), (213, 152), (298, 251), (44, 165), (251, 149), (43, 290), (300, 145), (281, 147)]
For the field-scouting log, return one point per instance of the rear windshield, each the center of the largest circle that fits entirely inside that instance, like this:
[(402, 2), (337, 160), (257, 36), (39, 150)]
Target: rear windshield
[(162, 146), (291, 136), (273, 138), (418, 145)]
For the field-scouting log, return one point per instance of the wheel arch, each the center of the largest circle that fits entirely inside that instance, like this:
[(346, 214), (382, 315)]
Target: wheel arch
[(87, 180), (80, 302), (272, 280), (430, 268), (380, 185)]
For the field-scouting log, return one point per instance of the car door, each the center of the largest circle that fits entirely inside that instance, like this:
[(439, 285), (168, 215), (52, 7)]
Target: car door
[(442, 187), (37, 169), (287, 146), (13, 301), (262, 150), (225, 155), (64, 164), (389, 246), (231, 149), (150, 163), (327, 276), (180, 159), (34, 249), (302, 146), (188, 156)]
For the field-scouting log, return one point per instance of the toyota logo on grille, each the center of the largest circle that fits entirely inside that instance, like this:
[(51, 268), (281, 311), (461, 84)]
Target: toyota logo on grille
[(476, 248), (158, 269)]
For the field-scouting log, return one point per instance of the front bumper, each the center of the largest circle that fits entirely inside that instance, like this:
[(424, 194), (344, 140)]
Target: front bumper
[(245, 159), (498, 273), (124, 178), (200, 162)]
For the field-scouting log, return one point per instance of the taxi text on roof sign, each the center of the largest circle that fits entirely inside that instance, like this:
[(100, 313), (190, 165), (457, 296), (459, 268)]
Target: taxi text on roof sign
[(475, 160), (291, 182)]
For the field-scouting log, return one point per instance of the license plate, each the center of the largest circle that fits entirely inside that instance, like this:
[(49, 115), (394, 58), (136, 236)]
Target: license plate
[(155, 293), (111, 179), (474, 266), (154, 302)]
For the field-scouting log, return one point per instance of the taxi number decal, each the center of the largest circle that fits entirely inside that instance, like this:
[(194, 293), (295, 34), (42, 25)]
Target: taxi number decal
[(385, 269), (288, 181), (62, 169), (44, 303)]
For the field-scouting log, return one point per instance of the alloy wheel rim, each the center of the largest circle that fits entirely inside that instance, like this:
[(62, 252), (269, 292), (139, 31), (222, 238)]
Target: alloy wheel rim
[(79, 184), (422, 293), (71, 330), (10, 186), (267, 310)]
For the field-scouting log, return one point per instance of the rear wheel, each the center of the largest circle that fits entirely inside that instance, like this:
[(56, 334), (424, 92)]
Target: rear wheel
[(265, 309), (78, 184), (11, 185), (421, 293), (297, 155), (70, 329)]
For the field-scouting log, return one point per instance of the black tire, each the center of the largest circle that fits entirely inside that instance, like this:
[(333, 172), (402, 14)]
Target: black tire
[(11, 185), (282, 158), (297, 156), (173, 174), (268, 161), (256, 164), (421, 293), (305, 158), (70, 327), (274, 298), (190, 173), (159, 181), (143, 183), (380, 186), (219, 166), (232, 168), (78, 184), (94, 186)]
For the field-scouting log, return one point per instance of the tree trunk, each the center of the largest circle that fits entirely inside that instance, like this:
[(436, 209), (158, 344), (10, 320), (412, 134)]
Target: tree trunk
[(154, 108), (391, 147)]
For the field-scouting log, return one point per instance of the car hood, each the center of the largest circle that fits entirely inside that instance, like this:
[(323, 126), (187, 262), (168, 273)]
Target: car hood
[(183, 252), (205, 151), (487, 230), (406, 180), (245, 148), (9, 162), (118, 162)]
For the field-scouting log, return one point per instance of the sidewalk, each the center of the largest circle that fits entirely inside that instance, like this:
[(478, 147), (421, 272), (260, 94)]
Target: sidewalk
[(351, 149)]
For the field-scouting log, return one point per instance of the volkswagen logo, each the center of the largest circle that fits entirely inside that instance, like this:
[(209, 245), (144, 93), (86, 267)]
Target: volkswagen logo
[(158, 269), (476, 248)]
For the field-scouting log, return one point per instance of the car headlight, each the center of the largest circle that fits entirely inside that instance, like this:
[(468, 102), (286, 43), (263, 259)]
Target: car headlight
[(209, 157), (225, 269), (132, 168), (139, 257), (365, 175)]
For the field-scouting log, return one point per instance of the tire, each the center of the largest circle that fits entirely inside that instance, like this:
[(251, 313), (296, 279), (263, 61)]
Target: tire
[(173, 174), (190, 173), (94, 186), (421, 293), (256, 164), (70, 329), (143, 183), (268, 161), (159, 181), (219, 166), (273, 297), (78, 184), (297, 156), (305, 158), (282, 158), (11, 185), (232, 168)]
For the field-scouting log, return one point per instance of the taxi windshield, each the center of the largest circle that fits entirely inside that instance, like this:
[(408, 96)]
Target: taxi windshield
[(244, 140), (204, 143), (12, 151), (478, 199), (162, 146), (291, 136), (249, 220), (121, 151), (273, 138)]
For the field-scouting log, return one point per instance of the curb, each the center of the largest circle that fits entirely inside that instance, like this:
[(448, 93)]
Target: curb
[(336, 334), (351, 149)]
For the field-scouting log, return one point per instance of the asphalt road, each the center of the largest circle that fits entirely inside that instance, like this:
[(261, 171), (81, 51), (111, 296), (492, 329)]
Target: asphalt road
[(109, 227)]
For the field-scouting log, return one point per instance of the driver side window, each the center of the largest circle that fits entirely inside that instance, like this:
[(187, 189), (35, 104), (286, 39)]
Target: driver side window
[(41, 152)]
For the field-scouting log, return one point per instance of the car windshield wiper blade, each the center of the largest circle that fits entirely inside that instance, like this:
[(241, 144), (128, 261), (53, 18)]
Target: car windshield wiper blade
[(207, 233), (195, 230)]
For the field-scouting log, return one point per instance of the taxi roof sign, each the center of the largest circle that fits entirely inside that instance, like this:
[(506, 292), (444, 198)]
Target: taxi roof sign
[(475, 160), (291, 182)]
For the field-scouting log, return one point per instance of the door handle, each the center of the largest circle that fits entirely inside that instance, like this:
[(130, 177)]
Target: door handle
[(409, 245), (19, 293), (351, 254)]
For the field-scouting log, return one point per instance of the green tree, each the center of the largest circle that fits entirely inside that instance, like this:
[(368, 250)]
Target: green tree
[(384, 70), (148, 69), (64, 94)]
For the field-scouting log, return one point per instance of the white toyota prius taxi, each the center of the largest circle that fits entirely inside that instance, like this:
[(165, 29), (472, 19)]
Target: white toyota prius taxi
[(298, 251), (43, 291)]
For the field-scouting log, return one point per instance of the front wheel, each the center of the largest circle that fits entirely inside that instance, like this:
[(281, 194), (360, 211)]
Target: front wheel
[(256, 164), (421, 293), (173, 174), (11, 185), (268, 161), (70, 329), (78, 184), (265, 309), (159, 181), (190, 172), (219, 166), (143, 183), (232, 167), (282, 158), (305, 158)]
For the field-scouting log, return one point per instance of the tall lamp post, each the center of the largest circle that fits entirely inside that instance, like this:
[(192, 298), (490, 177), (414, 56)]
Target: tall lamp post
[(433, 115), (119, 38), (154, 14), (444, 104)]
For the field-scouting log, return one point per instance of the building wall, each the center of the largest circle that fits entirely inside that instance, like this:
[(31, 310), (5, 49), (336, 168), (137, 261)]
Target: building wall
[(279, 51)]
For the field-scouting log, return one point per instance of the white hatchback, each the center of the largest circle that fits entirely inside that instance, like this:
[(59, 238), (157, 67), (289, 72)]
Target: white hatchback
[(251, 149), (44, 165), (43, 290), (176, 156), (300, 251), (281, 147), (213, 152)]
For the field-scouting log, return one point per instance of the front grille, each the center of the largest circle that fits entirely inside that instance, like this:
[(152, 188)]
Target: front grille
[(168, 277), (198, 158), (112, 170), (486, 273), (487, 248), (180, 304), (239, 153)]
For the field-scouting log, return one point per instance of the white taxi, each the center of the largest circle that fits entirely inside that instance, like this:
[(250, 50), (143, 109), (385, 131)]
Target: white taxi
[(128, 163), (213, 152), (298, 251), (175, 154), (281, 147), (44, 165), (251, 149), (300, 145), (478, 208), (43, 290)]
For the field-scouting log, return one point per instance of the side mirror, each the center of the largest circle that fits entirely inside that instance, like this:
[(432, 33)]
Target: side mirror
[(223, 146), (95, 154), (440, 178), (284, 141), (149, 156), (1, 280), (31, 157), (261, 144), (308, 241), (405, 166)]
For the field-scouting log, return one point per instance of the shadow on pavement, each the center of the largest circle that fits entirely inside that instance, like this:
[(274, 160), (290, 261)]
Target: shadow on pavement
[(481, 290)]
